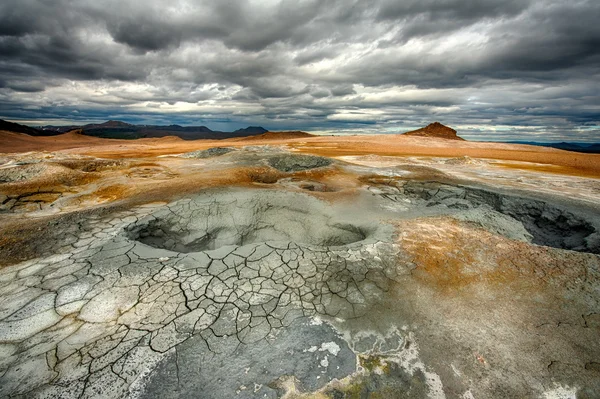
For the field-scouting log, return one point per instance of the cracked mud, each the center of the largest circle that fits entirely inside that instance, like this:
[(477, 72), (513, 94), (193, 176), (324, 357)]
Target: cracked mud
[(327, 280), (123, 303), (241, 218)]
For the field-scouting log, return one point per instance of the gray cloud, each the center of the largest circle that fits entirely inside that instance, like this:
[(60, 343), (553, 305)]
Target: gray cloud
[(496, 69)]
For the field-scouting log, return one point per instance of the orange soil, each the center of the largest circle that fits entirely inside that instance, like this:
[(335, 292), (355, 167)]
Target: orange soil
[(585, 164), (19, 142), (458, 256), (391, 145), (548, 168)]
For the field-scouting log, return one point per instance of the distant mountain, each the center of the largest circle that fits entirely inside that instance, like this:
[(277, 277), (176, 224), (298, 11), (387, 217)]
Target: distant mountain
[(589, 148), (110, 125), (121, 130), (278, 136), (112, 130), (251, 130), (17, 128), (435, 130)]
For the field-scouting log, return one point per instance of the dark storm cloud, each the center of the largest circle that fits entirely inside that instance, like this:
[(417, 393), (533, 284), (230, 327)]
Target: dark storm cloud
[(438, 17), (520, 65), (236, 23), (460, 10), (343, 90), (144, 35), (559, 37), (316, 54)]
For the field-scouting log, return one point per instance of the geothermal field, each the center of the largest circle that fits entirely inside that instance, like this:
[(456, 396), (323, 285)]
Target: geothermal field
[(298, 266)]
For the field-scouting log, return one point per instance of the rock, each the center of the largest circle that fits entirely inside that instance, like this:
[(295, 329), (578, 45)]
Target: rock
[(435, 130)]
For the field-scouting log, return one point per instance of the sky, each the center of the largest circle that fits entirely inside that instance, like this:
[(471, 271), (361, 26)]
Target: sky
[(493, 70)]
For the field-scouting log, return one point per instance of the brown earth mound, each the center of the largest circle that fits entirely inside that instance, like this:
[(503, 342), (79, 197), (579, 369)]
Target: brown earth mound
[(437, 130), (21, 142)]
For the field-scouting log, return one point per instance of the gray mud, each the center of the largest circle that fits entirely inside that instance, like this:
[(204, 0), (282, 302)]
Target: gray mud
[(209, 153), (548, 222), (222, 294), (237, 370), (297, 163), (123, 308), (216, 219), (21, 172)]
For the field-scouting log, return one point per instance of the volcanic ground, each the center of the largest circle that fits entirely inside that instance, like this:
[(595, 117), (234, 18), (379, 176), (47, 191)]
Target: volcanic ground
[(298, 267)]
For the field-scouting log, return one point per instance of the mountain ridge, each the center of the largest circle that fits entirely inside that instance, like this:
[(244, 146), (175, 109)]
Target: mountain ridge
[(18, 128), (114, 129)]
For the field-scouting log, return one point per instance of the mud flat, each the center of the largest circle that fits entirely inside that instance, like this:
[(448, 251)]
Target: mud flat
[(259, 271)]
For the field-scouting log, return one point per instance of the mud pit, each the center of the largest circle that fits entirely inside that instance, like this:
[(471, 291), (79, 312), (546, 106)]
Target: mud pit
[(389, 285), (550, 223), (211, 221)]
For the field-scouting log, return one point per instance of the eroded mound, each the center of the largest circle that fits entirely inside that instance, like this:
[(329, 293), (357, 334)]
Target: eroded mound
[(435, 130), (296, 163), (218, 219)]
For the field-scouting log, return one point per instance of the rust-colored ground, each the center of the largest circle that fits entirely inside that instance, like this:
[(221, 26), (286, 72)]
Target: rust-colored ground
[(564, 162), (133, 173), (459, 256)]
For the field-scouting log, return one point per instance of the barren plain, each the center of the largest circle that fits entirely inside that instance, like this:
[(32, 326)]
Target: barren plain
[(285, 265)]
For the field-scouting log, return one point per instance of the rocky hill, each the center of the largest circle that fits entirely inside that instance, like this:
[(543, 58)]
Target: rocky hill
[(436, 130)]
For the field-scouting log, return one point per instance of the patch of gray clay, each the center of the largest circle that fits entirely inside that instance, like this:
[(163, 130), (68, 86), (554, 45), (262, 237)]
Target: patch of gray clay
[(296, 163), (228, 217), (262, 149), (313, 353), (209, 153), (21, 172), (96, 320), (495, 222)]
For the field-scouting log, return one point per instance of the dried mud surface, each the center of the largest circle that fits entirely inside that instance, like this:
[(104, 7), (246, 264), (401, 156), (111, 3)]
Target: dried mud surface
[(312, 267)]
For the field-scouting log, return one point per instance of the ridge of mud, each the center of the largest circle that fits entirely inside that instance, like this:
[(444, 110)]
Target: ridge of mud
[(549, 223)]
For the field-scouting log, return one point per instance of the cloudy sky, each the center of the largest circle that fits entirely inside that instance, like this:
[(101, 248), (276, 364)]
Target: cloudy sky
[(492, 69)]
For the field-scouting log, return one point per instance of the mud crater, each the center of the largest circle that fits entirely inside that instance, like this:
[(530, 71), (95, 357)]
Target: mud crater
[(211, 221), (550, 223)]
